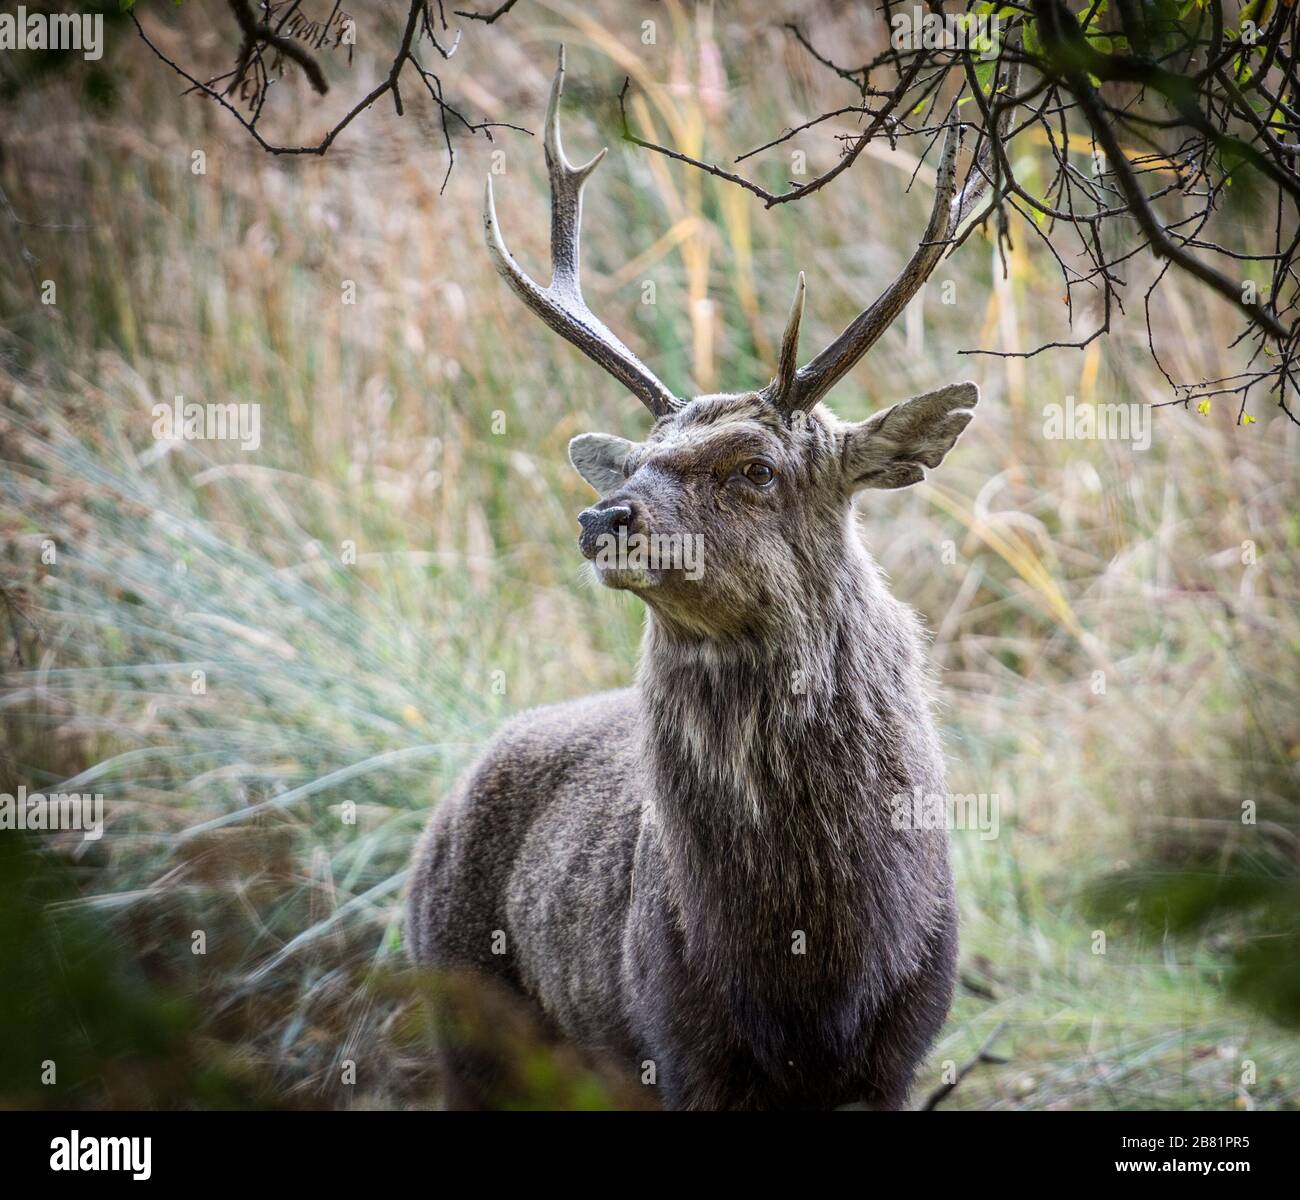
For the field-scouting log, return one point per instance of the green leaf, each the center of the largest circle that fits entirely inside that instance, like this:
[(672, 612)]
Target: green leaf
[(1082, 14)]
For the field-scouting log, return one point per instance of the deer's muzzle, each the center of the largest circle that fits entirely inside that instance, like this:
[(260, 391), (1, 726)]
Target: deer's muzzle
[(602, 520)]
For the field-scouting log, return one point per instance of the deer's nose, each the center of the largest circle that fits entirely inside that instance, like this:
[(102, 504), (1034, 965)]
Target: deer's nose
[(599, 521), (607, 519)]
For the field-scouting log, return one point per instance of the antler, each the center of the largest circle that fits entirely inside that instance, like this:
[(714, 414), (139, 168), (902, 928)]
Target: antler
[(800, 389), (561, 305)]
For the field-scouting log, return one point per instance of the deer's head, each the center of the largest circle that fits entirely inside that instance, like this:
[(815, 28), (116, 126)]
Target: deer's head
[(734, 511)]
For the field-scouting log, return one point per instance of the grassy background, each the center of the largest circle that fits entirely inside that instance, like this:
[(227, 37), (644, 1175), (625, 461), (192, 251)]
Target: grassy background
[(425, 425)]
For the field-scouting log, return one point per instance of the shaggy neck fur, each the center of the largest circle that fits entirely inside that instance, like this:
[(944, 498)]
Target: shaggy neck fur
[(771, 765)]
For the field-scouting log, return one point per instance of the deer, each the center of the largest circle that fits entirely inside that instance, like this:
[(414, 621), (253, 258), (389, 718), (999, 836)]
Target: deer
[(700, 880)]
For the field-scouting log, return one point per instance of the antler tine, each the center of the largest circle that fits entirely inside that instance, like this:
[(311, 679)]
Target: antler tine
[(781, 390), (566, 190), (561, 304), (802, 389), (813, 381), (979, 176)]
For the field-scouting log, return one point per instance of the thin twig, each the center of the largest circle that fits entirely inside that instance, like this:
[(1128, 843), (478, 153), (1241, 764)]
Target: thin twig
[(982, 1055)]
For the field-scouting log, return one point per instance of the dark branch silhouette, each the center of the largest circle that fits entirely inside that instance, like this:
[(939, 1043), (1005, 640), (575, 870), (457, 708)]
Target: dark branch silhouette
[(1170, 107), (1172, 112), (419, 23)]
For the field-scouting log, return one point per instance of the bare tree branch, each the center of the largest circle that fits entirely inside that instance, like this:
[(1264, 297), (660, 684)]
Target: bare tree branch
[(417, 23)]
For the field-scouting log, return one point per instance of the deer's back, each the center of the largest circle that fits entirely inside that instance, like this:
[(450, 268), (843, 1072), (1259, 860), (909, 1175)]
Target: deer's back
[(524, 869)]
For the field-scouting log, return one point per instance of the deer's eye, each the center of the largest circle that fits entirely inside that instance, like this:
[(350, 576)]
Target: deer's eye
[(759, 473)]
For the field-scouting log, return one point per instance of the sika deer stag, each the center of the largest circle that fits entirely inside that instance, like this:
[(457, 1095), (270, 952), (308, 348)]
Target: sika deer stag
[(697, 880)]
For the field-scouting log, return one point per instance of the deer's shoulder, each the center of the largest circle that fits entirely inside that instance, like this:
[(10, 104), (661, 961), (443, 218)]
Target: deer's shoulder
[(549, 742)]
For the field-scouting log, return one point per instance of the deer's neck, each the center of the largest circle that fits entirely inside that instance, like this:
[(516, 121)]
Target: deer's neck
[(771, 766)]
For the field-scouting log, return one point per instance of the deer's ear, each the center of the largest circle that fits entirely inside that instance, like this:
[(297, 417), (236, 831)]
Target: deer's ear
[(599, 459), (889, 449)]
